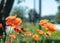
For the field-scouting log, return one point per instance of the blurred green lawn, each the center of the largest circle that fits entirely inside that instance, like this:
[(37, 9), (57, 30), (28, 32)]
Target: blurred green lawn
[(33, 28)]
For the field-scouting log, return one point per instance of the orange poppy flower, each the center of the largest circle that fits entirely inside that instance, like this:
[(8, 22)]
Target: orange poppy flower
[(17, 21), (40, 31), (50, 27), (27, 34), (10, 18), (43, 22), (1, 25), (35, 37), (12, 36), (7, 42), (9, 23)]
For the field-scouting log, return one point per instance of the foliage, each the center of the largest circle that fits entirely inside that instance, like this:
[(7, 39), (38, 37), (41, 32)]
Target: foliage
[(58, 1), (58, 17), (49, 17), (0, 1), (32, 28), (19, 11), (29, 36), (33, 15)]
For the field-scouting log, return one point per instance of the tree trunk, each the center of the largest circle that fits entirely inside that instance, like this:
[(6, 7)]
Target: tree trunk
[(7, 8), (1, 7), (5, 12)]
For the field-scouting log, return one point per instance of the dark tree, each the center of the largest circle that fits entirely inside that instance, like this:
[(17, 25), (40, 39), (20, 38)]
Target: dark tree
[(7, 8), (4, 12), (33, 16), (1, 7)]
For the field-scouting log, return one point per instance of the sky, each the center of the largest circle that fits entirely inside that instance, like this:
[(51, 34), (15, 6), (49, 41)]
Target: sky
[(49, 7)]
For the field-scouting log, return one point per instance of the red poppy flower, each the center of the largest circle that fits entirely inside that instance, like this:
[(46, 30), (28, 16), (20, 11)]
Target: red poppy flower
[(1, 25), (17, 29), (7, 42)]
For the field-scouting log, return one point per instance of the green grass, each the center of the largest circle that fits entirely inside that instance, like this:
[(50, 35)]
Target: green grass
[(33, 29), (55, 35), (30, 27)]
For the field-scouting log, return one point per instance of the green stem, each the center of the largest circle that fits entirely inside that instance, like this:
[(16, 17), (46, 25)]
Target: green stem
[(28, 40), (1, 40), (43, 41), (11, 40), (36, 41)]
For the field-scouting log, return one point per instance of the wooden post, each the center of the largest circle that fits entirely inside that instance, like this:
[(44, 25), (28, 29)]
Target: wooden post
[(39, 12)]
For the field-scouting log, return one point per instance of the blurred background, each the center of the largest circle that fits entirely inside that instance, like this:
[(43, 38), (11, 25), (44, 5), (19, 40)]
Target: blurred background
[(31, 11), (34, 10)]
